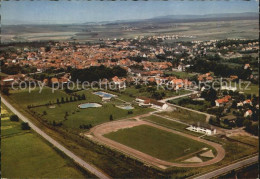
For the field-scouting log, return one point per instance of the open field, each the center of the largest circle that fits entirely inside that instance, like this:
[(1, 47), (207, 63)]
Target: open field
[(180, 74), (206, 30), (26, 155), (170, 124), (35, 97), (147, 139), (185, 116), (251, 89)]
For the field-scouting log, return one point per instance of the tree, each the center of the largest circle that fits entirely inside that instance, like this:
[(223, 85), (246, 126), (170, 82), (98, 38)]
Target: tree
[(83, 97), (44, 113), (62, 100), (71, 99), (58, 101), (111, 117), (25, 126), (14, 118), (5, 91), (239, 121)]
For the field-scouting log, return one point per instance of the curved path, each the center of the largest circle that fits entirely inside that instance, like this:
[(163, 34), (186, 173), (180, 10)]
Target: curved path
[(97, 132)]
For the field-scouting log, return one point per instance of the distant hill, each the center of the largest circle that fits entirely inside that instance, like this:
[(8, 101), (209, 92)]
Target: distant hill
[(191, 18)]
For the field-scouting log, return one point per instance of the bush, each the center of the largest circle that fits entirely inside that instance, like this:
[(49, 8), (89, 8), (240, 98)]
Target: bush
[(14, 118), (25, 126)]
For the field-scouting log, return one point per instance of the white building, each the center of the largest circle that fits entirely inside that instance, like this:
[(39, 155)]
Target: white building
[(147, 102), (203, 130)]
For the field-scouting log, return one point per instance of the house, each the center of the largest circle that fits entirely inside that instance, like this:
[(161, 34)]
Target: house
[(204, 129), (181, 67), (222, 101), (240, 104), (229, 88), (246, 66), (248, 101), (119, 83), (147, 102), (248, 113)]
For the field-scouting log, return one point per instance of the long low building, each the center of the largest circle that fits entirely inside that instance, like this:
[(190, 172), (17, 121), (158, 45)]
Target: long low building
[(204, 129), (147, 102)]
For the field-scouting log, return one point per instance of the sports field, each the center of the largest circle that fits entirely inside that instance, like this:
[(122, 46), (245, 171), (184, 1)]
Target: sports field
[(25, 155), (155, 142)]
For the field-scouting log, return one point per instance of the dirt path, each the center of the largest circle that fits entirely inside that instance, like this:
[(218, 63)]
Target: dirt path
[(97, 133)]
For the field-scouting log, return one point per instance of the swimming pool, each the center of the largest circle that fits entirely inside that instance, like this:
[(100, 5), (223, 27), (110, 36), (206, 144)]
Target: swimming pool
[(89, 105), (103, 94), (129, 107)]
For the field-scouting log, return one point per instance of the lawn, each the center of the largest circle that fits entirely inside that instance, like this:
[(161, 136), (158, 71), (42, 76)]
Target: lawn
[(170, 124), (93, 116), (130, 93), (251, 89), (180, 74), (24, 98), (147, 139), (185, 116), (26, 155)]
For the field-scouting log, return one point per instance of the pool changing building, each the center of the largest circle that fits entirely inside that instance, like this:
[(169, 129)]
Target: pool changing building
[(204, 129)]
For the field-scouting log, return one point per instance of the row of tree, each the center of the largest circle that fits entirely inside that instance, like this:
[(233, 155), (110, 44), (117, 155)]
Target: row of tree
[(71, 99)]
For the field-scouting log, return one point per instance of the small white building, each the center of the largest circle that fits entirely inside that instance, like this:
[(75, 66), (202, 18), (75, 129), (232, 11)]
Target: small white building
[(229, 88), (147, 102), (200, 129)]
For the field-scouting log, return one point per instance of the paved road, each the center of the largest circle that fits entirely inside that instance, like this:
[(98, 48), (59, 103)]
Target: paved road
[(176, 97), (78, 160), (229, 168)]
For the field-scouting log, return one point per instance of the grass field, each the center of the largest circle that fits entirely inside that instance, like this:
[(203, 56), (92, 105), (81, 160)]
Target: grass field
[(76, 116), (185, 116), (148, 139), (26, 155), (180, 74), (35, 98), (170, 124)]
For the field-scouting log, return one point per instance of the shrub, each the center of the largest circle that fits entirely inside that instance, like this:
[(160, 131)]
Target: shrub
[(25, 126), (14, 118)]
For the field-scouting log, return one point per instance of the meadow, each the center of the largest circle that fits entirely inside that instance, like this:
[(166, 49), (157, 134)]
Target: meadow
[(184, 115), (147, 139), (180, 74), (36, 97), (170, 124), (27, 155)]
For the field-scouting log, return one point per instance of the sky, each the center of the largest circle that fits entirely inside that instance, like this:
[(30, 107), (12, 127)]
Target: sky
[(80, 11)]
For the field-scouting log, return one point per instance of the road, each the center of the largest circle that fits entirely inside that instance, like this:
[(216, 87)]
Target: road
[(92, 169), (176, 97), (229, 168)]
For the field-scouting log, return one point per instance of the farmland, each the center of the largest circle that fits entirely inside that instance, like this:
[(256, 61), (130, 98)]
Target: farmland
[(26, 155)]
